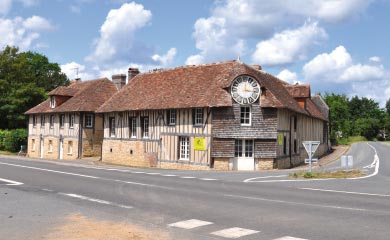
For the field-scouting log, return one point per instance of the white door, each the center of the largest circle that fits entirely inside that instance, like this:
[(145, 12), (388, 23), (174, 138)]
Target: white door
[(41, 148), (61, 149), (244, 155)]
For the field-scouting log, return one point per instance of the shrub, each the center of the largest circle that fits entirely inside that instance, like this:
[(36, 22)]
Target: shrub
[(11, 140)]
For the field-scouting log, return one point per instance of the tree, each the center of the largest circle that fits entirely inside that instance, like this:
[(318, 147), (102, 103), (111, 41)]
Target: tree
[(339, 114), (25, 78)]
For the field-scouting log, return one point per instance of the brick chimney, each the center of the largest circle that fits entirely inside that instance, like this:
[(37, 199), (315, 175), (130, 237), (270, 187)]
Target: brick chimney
[(257, 67), (119, 80), (132, 73)]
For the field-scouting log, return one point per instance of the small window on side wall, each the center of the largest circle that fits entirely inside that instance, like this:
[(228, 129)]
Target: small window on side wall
[(71, 121), (112, 126), (171, 117), (52, 101), (62, 120), (34, 118), (52, 121), (88, 121), (198, 116)]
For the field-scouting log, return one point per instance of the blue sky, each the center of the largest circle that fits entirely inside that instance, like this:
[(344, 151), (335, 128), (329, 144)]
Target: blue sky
[(339, 46)]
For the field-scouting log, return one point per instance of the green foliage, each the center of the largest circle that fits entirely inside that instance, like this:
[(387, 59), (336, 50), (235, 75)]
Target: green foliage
[(356, 117), (25, 78), (310, 175), (11, 140)]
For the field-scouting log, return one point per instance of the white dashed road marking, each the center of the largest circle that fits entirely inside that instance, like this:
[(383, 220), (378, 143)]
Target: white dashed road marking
[(234, 232), (10, 182), (185, 177), (208, 179), (95, 200), (289, 238), (190, 224)]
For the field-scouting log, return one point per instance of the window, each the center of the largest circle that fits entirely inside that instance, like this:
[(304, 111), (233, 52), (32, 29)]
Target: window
[(42, 121), (71, 121), (50, 145), (145, 127), (52, 121), (62, 120), (243, 148), (33, 144), (34, 118), (198, 116), (184, 148), (88, 121), (52, 101), (172, 117), (238, 148), (246, 116), (70, 147), (133, 127), (112, 126)]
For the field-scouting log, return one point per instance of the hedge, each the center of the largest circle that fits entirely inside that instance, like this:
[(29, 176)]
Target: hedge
[(11, 140)]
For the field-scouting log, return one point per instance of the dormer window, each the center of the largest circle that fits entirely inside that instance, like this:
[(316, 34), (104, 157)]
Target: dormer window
[(52, 101)]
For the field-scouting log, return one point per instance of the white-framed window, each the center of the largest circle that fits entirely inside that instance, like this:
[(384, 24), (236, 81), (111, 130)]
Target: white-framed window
[(34, 118), (112, 126), (133, 127), (184, 148), (245, 115), (42, 121), (50, 146), (145, 127), (172, 117), (62, 120), (52, 101), (70, 147), (52, 121), (32, 144), (198, 116), (243, 148), (88, 120), (71, 120)]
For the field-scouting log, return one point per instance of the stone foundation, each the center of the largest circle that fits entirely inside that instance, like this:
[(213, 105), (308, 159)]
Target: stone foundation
[(129, 153), (265, 164), (181, 166)]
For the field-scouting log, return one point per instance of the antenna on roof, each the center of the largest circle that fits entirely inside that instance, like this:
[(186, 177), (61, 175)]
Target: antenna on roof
[(238, 59)]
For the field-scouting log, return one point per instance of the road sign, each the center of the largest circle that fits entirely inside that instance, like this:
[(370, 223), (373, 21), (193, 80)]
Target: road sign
[(314, 146), (313, 160), (311, 148)]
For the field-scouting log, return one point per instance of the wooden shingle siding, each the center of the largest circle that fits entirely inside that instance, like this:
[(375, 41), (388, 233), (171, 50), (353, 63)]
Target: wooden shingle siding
[(223, 147), (265, 148), (226, 123)]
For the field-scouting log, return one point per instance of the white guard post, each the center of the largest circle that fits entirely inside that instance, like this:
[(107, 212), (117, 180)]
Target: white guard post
[(311, 148)]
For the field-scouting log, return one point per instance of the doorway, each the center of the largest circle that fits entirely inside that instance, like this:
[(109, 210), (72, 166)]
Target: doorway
[(243, 155)]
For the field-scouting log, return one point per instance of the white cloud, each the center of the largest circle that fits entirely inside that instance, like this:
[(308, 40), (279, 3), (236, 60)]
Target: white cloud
[(288, 76), (338, 72), (288, 46), (116, 39), (232, 21), (21, 32), (166, 59), (328, 66), (214, 41), (375, 59), (37, 23), (361, 72)]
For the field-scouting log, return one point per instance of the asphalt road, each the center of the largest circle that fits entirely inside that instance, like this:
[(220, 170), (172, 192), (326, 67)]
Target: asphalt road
[(220, 205)]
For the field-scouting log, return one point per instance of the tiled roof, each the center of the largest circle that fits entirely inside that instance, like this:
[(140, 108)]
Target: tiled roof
[(87, 97), (63, 91), (196, 86), (313, 110), (298, 91)]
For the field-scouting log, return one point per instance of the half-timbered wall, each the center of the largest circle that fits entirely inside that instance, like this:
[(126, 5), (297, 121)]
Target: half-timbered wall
[(163, 138)]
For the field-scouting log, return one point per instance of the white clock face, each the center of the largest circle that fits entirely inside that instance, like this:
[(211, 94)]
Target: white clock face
[(245, 90)]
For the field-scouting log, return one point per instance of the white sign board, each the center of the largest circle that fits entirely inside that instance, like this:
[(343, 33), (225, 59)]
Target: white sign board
[(314, 146)]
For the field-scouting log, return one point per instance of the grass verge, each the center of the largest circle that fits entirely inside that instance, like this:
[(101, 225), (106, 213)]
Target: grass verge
[(336, 174), (7, 153)]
